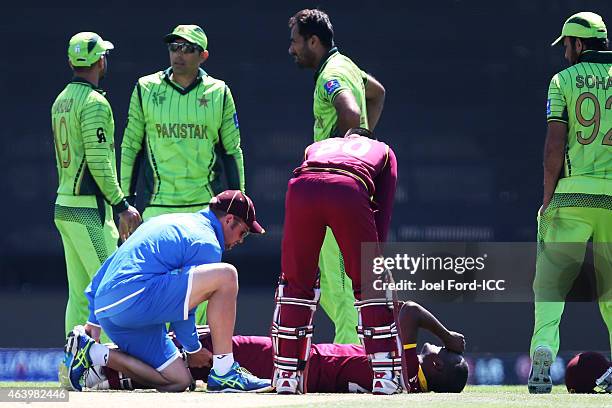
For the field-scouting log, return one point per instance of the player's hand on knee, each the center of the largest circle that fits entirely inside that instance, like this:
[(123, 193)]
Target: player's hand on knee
[(93, 332), (455, 342), (129, 220), (200, 359)]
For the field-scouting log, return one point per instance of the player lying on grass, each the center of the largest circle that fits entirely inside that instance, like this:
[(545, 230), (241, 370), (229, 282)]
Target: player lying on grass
[(170, 265), (337, 368)]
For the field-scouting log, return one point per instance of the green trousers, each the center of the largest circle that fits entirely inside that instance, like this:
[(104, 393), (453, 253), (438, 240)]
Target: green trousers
[(337, 297), (151, 212), (89, 236), (562, 236)]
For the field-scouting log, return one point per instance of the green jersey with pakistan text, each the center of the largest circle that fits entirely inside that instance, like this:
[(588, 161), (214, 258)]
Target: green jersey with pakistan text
[(336, 74), (581, 96), (83, 129), (183, 134)]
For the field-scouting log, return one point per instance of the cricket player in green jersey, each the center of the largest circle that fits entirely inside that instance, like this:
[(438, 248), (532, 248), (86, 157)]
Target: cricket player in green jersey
[(83, 130), (345, 97), (577, 201), (183, 127)]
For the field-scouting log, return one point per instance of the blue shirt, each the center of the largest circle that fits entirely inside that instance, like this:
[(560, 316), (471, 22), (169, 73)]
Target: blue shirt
[(170, 243)]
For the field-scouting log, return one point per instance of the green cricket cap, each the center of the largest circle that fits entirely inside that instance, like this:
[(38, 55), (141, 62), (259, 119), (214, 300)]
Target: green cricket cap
[(189, 32), (583, 25), (85, 49)]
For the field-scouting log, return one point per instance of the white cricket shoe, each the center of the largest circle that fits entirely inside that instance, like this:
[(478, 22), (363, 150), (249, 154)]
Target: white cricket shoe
[(539, 377), (286, 382), (386, 383)]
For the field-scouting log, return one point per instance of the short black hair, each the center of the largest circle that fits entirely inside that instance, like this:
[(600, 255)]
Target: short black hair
[(594, 44), (314, 22), (454, 374), (82, 70), (219, 213), (359, 131)]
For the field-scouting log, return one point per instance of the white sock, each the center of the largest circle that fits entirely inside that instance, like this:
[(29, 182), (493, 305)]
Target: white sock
[(222, 363), (381, 355), (99, 354)]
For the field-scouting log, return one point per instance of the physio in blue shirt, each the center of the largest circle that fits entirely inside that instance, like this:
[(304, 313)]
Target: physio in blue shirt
[(170, 265)]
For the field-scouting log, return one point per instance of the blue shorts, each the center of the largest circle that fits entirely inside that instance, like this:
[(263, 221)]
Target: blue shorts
[(140, 330)]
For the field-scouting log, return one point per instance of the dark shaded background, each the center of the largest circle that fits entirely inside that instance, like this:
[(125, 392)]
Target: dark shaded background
[(465, 112)]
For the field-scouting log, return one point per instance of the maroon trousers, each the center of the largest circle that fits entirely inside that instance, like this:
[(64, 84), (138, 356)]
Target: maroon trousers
[(313, 202)]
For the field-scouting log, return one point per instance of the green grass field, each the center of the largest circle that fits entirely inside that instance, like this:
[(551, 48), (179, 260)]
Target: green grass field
[(473, 396)]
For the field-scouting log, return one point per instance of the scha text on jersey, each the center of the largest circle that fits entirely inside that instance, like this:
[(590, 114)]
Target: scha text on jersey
[(593, 81), (181, 130)]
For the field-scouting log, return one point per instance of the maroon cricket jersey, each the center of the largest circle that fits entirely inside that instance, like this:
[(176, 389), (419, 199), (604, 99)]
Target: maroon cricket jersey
[(369, 161), (357, 156)]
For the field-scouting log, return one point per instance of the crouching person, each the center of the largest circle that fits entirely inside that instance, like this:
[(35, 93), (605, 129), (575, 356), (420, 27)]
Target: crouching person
[(170, 265)]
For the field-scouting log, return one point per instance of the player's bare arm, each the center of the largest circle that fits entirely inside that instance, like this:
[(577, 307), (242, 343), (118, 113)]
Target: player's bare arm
[(348, 112), (414, 316), (554, 148), (375, 100)]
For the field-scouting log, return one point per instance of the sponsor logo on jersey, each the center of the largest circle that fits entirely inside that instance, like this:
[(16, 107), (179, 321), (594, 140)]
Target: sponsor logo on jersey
[(101, 135), (331, 85), (548, 107)]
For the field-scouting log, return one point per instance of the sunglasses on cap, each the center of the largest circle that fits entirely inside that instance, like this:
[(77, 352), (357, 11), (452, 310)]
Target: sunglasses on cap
[(185, 47)]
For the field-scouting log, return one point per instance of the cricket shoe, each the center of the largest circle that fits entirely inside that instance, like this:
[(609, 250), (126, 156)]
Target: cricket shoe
[(286, 382), (386, 383), (539, 377), (76, 357), (237, 379)]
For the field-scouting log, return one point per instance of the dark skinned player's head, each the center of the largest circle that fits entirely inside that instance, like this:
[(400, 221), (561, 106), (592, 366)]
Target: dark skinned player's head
[(360, 132), (445, 370)]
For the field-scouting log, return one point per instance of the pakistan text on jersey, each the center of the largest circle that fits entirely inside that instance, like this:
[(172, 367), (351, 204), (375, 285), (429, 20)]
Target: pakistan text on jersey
[(63, 106), (593, 81), (181, 130)]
